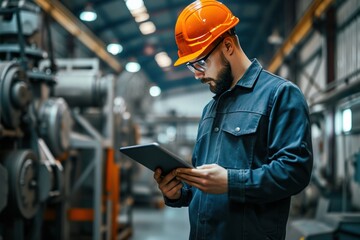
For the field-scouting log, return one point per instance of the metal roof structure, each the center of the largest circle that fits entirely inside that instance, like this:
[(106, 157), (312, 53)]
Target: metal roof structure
[(115, 24)]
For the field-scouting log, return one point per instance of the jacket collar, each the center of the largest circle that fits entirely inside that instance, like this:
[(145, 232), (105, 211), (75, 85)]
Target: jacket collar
[(251, 74)]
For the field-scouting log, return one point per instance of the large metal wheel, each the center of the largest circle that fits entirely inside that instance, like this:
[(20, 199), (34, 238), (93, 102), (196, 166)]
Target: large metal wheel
[(14, 94), (56, 125), (22, 167)]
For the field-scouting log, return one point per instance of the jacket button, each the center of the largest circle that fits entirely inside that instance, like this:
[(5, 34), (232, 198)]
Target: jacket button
[(216, 129), (237, 129)]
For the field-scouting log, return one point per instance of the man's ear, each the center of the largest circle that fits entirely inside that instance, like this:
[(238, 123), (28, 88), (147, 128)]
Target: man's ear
[(229, 46)]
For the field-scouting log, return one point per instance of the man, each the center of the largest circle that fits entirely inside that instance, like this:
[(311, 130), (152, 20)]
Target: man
[(253, 148)]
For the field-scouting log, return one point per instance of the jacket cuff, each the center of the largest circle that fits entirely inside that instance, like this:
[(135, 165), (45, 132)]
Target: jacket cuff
[(236, 183)]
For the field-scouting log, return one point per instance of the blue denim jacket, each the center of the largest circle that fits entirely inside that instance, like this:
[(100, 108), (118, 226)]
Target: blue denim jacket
[(260, 132)]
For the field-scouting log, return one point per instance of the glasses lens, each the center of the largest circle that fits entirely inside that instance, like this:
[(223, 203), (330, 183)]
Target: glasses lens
[(201, 65), (197, 66)]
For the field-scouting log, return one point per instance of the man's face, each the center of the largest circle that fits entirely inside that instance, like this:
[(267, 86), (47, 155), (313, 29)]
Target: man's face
[(224, 78)]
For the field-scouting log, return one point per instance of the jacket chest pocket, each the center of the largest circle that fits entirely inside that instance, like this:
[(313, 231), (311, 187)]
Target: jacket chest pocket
[(238, 139)]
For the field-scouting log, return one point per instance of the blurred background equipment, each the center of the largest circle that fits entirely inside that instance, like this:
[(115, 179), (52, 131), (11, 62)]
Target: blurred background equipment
[(92, 180), (79, 79), (329, 207), (59, 175), (31, 177), (334, 207)]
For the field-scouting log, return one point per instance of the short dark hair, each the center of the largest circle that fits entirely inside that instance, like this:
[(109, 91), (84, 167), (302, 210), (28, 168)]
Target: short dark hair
[(232, 31)]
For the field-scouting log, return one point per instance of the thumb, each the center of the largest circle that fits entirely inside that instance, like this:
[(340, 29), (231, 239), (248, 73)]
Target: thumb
[(205, 166)]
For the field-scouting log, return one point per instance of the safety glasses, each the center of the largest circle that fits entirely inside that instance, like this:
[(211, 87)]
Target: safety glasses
[(201, 65)]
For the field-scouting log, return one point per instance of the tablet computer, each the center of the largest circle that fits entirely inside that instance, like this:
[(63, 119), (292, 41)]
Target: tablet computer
[(154, 156)]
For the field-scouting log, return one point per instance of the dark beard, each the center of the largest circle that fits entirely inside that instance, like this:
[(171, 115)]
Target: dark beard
[(224, 78)]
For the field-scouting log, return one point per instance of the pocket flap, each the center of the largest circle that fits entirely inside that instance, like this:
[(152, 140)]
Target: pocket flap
[(241, 123)]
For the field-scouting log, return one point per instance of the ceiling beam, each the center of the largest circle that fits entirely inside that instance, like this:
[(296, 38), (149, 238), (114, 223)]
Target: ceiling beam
[(68, 21), (300, 31)]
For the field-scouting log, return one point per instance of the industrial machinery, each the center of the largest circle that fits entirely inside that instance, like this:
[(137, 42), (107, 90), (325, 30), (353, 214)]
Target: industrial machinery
[(34, 126), (92, 182), (59, 174)]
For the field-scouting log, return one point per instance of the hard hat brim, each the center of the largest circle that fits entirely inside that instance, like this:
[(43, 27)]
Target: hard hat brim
[(189, 57)]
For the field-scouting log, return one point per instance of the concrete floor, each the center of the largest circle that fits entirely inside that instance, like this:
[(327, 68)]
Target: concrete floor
[(160, 224), (150, 223)]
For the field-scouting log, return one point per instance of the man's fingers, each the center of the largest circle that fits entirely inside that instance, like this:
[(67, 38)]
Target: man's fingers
[(193, 181), (168, 184), (206, 166), (194, 184), (187, 177), (191, 175), (157, 175), (166, 179), (173, 187)]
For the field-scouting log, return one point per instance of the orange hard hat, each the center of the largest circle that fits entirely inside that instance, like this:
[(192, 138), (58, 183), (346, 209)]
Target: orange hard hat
[(199, 25)]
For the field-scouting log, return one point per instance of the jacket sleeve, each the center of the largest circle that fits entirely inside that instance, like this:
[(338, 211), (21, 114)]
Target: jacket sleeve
[(289, 162)]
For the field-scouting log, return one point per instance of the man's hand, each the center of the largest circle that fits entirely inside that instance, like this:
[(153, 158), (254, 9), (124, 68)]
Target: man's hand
[(168, 185), (210, 178)]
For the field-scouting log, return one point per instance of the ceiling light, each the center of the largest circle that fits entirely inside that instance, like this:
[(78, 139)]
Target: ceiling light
[(147, 28), (126, 115), (138, 11), (114, 48), (155, 91), (142, 17), (132, 67), (163, 60), (88, 15), (275, 38), (347, 120), (134, 4)]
